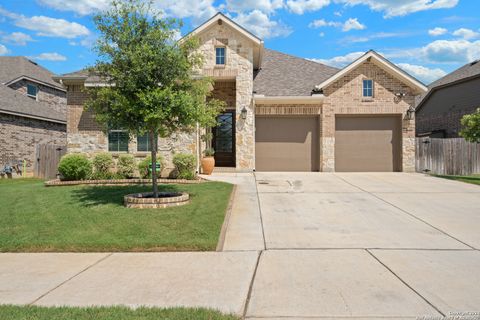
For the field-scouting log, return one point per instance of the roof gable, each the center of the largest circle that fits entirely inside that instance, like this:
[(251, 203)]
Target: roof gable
[(383, 63), (221, 18), (13, 69)]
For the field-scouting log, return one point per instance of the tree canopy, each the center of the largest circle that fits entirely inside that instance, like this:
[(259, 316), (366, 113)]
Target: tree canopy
[(147, 78), (471, 126)]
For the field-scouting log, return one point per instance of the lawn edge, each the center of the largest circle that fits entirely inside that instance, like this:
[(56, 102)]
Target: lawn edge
[(226, 220)]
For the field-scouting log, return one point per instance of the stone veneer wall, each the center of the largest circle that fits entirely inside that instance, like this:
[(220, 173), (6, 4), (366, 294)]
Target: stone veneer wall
[(345, 97), (19, 137), (238, 67), (85, 135), (55, 98)]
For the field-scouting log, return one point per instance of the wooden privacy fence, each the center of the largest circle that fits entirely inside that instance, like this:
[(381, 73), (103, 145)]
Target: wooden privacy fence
[(453, 156), (47, 157)]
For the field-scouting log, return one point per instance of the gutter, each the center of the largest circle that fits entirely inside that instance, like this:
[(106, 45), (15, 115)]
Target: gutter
[(19, 114), (313, 99)]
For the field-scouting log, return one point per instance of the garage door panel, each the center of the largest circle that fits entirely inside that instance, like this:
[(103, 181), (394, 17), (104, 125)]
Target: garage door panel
[(286, 144), (367, 144)]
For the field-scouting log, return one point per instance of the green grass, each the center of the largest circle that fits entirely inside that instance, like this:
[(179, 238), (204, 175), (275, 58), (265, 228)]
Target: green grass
[(474, 179), (8, 312), (35, 218)]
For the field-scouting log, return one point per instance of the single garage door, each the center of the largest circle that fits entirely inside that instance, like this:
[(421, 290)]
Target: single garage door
[(368, 143), (286, 143)]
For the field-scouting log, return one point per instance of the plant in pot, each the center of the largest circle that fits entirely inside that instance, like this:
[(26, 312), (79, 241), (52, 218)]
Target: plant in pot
[(208, 161)]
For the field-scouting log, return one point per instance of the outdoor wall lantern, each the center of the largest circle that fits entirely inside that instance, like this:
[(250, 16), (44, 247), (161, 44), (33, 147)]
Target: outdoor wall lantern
[(244, 113), (410, 113)]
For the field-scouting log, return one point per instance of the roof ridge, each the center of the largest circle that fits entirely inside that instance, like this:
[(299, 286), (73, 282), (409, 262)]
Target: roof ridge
[(301, 58)]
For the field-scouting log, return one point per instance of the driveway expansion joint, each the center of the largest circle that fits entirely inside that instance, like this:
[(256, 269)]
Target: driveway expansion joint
[(71, 278), (405, 283), (250, 288)]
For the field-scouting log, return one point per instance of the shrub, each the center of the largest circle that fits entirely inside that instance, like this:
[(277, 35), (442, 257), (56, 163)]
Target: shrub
[(126, 166), (209, 152), (185, 165), (103, 164), (75, 167), (144, 166)]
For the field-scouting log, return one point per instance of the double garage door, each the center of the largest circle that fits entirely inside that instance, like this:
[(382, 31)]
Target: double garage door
[(362, 143)]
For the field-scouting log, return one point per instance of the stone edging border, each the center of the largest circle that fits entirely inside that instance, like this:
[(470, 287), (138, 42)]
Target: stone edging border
[(57, 183)]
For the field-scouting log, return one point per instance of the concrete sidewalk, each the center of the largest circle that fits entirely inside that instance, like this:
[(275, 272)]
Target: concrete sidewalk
[(297, 246)]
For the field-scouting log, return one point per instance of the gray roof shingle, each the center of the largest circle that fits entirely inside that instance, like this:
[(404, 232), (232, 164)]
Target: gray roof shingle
[(471, 69), (285, 75), (12, 68), (14, 102)]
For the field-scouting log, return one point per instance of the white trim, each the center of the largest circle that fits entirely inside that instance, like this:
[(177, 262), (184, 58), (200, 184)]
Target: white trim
[(313, 99), (381, 62), (231, 23), (19, 114), (36, 81)]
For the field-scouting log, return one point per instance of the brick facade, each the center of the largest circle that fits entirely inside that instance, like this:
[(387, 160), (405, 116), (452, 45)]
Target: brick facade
[(19, 137), (55, 98), (442, 110), (345, 97)]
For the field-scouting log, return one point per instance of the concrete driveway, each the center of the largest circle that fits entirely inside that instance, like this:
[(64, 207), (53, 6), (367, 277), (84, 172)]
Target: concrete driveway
[(358, 245)]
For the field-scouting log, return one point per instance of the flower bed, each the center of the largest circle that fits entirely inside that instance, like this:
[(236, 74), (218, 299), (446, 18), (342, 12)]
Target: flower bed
[(164, 200), (116, 182)]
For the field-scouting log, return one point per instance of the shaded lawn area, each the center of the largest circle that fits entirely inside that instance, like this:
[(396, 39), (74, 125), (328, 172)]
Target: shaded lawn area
[(8, 312), (474, 179), (35, 218)]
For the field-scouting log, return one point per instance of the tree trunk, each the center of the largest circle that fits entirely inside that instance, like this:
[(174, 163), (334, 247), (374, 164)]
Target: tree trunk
[(154, 144)]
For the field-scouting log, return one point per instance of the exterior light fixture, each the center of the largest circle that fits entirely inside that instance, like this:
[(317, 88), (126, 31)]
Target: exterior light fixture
[(410, 113), (243, 114)]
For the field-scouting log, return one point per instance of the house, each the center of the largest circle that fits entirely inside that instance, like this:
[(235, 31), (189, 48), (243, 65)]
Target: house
[(32, 111), (283, 113), (439, 111)]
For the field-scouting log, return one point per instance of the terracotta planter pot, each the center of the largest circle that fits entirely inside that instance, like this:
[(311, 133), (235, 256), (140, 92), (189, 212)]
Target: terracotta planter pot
[(208, 163)]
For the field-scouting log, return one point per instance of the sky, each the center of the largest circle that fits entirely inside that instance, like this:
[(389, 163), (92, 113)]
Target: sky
[(426, 38)]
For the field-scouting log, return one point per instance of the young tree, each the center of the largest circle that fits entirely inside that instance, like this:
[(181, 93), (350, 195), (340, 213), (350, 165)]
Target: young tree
[(147, 76), (471, 126)]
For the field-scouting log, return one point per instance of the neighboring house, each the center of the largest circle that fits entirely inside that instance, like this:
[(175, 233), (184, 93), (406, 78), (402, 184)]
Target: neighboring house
[(32, 110), (438, 112), (283, 113)]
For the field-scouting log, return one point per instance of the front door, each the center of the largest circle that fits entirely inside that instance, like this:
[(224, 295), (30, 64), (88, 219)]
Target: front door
[(224, 140)]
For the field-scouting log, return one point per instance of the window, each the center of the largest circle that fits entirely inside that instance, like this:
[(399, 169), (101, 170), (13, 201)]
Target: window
[(143, 143), (32, 91), (368, 88), (118, 141), (220, 55)]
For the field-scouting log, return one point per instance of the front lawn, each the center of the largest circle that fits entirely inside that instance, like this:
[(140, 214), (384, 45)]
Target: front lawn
[(8, 312), (474, 179), (92, 218)]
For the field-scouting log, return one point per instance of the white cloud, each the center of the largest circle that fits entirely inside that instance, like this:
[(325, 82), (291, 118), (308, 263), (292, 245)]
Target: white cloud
[(50, 56), (322, 23), (3, 50), (81, 7), (437, 31), (441, 51), (340, 61), (451, 51), (302, 6), (466, 33), (267, 6), (17, 38), (46, 26), (392, 8), (350, 24), (260, 24), (422, 73), (378, 35), (353, 24), (198, 10)]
